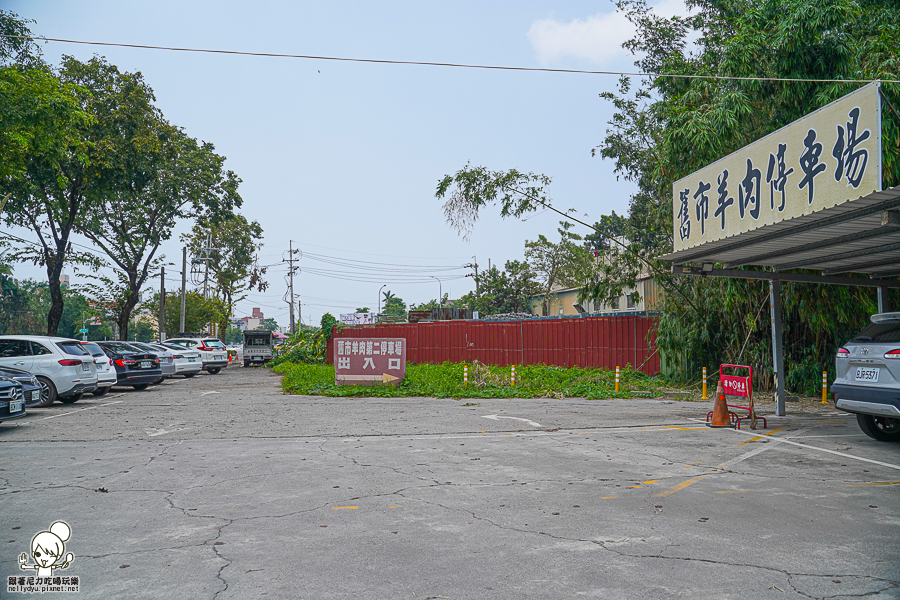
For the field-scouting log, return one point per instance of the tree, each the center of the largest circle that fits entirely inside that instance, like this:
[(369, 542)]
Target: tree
[(362, 310), (393, 306), (152, 175), (670, 127), (269, 325), (507, 291), (233, 268), (565, 264), (46, 167), (199, 311)]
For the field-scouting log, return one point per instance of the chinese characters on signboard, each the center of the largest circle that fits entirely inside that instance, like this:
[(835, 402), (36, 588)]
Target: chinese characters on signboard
[(368, 361), (828, 157)]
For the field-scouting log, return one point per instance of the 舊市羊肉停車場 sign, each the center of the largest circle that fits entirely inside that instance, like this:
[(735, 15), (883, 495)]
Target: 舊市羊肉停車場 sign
[(826, 158)]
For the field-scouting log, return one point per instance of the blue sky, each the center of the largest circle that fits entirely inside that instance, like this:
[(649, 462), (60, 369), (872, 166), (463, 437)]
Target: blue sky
[(344, 158)]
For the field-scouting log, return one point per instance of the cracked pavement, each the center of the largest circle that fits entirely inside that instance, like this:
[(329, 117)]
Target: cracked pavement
[(248, 493)]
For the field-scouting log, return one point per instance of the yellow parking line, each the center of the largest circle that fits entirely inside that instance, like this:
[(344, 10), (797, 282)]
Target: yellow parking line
[(681, 486), (343, 507), (650, 481), (873, 483), (753, 439), (608, 497), (740, 491)]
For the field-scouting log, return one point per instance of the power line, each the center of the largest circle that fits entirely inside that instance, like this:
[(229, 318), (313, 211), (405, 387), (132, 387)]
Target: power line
[(443, 64)]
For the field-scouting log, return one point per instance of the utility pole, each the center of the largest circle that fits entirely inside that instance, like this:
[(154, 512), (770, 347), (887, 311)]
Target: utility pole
[(183, 288), (291, 260), (206, 275), (474, 265), (300, 313), (162, 304)]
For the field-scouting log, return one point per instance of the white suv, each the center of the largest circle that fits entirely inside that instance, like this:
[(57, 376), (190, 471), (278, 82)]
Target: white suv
[(212, 351), (62, 366)]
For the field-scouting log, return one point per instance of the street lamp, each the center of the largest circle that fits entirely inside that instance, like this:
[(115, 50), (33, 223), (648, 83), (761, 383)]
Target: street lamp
[(379, 298), (440, 291)]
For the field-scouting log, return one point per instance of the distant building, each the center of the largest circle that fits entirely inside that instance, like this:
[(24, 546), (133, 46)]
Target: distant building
[(63, 279), (251, 322), (564, 302)]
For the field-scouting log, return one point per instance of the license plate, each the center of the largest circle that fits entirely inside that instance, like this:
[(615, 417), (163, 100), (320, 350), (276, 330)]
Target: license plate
[(85, 367), (15, 407), (145, 364), (219, 358), (35, 395), (192, 360), (867, 374)]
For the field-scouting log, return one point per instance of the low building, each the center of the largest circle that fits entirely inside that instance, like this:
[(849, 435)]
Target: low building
[(564, 301)]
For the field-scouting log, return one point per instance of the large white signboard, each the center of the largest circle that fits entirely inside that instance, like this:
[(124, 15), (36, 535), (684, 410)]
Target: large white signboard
[(826, 158), (357, 318)]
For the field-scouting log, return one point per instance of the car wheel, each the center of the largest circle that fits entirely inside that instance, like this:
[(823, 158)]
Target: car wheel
[(158, 381), (189, 375), (141, 386), (215, 370), (101, 391), (246, 363), (48, 393), (883, 429), (71, 399)]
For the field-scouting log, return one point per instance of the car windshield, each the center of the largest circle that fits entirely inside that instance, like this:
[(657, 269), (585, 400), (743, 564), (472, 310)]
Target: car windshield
[(72, 348), (93, 349), (888, 333), (121, 347), (175, 347), (213, 344)]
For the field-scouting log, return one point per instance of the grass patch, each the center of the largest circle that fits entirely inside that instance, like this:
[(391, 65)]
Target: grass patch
[(446, 381)]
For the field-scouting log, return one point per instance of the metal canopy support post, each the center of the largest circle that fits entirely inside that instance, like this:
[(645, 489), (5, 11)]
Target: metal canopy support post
[(183, 289), (882, 300), (162, 304), (777, 350)]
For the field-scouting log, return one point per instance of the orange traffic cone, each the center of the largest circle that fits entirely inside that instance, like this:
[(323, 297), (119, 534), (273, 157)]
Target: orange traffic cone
[(720, 417)]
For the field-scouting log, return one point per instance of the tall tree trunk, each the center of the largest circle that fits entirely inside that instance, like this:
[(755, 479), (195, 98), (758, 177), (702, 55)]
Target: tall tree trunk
[(54, 270)]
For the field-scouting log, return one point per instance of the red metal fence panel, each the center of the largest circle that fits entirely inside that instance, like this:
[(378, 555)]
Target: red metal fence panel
[(591, 342)]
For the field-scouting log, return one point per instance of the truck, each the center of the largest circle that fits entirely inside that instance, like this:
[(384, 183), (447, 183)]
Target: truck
[(258, 347)]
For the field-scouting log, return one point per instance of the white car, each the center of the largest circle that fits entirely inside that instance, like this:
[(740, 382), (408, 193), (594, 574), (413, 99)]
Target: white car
[(187, 362), (64, 369), (213, 352), (106, 372)]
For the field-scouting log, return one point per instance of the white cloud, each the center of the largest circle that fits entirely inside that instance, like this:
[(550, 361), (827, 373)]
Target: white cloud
[(597, 38)]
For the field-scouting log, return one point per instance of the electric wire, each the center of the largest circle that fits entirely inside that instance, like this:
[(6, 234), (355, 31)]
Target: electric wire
[(443, 64)]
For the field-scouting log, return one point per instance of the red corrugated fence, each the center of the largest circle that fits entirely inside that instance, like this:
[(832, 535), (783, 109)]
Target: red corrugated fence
[(597, 342)]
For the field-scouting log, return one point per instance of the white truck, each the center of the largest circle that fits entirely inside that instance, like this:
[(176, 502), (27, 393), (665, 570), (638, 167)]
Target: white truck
[(258, 347)]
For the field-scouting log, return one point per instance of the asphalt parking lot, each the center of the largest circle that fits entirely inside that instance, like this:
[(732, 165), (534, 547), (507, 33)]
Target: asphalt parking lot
[(222, 487)]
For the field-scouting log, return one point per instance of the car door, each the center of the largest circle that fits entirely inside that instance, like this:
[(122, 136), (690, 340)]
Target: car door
[(16, 354)]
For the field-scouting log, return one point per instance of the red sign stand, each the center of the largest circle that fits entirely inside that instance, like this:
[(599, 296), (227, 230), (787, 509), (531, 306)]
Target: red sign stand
[(741, 386)]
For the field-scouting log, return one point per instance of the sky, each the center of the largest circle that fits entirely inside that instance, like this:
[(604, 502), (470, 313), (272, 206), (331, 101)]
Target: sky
[(341, 159)]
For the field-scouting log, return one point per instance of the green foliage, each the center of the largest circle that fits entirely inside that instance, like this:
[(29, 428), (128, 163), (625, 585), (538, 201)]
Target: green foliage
[(233, 268), (199, 312), (327, 324), (307, 347), (507, 291), (446, 381), (564, 264), (393, 305), (669, 128), (269, 324)]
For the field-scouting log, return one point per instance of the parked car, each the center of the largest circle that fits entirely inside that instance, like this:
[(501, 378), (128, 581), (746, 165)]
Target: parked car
[(166, 358), (258, 347), (868, 378), (31, 387), (12, 399), (187, 362), (106, 372), (212, 351), (134, 367), (63, 368)]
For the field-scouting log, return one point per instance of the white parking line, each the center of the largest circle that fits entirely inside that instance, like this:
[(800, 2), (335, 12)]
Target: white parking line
[(808, 447), (81, 410)]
